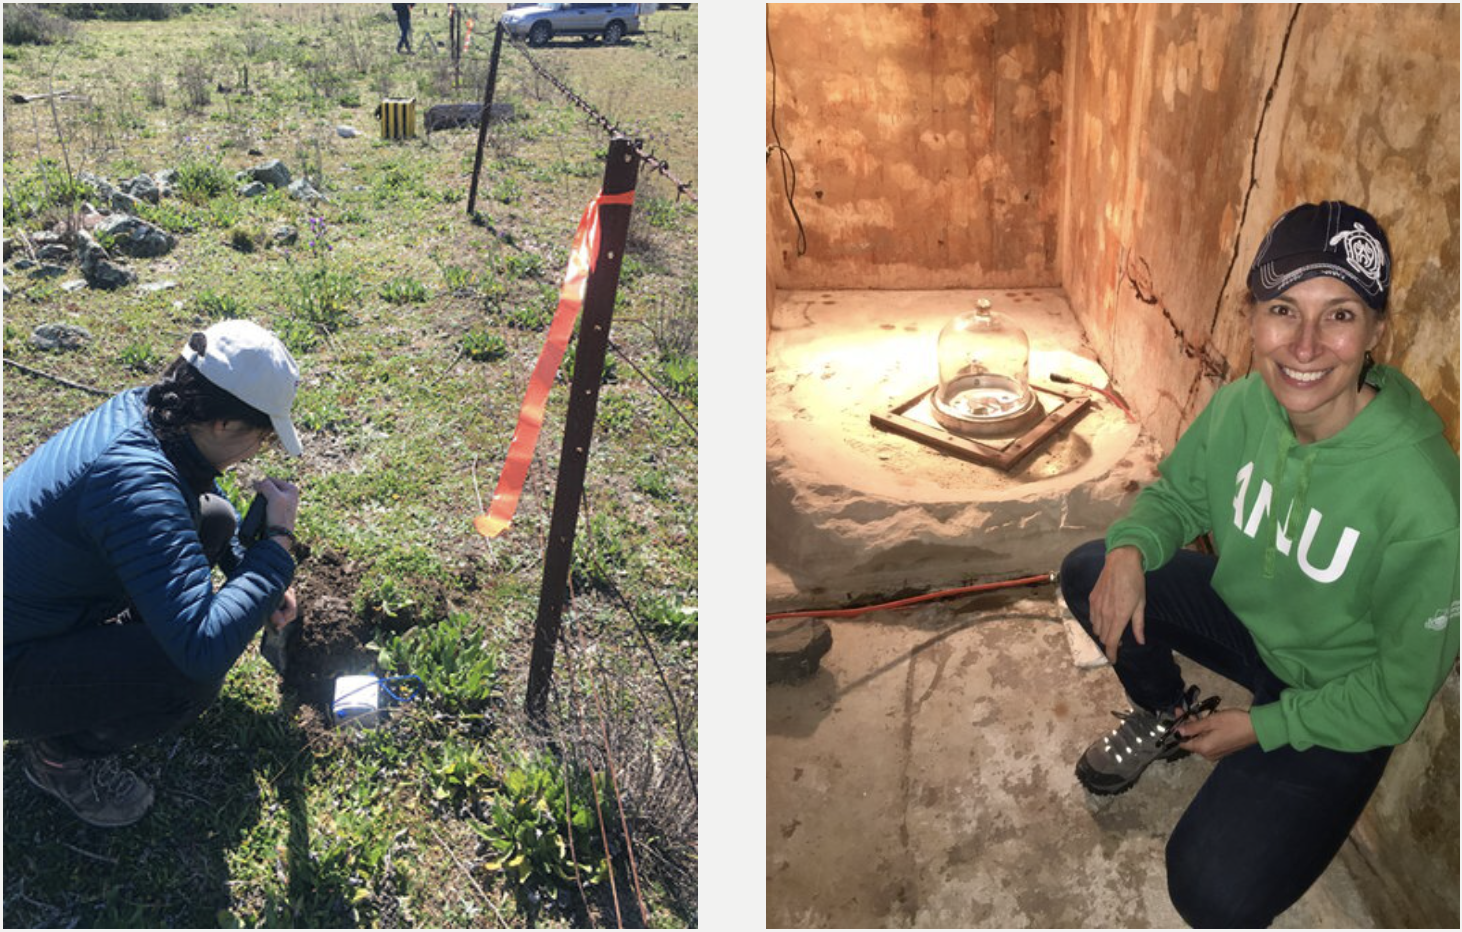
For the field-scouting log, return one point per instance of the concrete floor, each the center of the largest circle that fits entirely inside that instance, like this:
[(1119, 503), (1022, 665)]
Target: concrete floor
[(924, 777)]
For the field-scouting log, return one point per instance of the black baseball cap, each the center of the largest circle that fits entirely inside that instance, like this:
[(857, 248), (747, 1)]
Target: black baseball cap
[(1331, 238)]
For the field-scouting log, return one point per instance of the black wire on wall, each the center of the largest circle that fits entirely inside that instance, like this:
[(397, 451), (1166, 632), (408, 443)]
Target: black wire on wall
[(789, 170)]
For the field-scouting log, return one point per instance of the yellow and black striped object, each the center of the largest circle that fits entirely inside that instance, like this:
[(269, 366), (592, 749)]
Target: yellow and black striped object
[(398, 117)]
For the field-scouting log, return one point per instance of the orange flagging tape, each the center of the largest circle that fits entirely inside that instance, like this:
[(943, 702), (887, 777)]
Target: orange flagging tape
[(530, 417)]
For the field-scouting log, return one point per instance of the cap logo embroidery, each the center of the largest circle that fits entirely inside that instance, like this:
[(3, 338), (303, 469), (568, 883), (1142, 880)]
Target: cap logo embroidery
[(1363, 252)]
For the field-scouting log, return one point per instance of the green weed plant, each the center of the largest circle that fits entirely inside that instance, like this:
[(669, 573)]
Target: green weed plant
[(322, 298), (405, 290), (530, 821), (174, 216), (201, 176), (140, 357), (217, 305), (484, 346), (43, 190), (456, 663), (679, 373)]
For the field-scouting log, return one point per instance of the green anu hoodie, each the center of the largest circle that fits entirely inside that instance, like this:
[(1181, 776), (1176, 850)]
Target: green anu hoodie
[(1340, 557)]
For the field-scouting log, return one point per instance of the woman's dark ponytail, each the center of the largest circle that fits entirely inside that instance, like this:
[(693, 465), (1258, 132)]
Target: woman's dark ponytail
[(182, 396)]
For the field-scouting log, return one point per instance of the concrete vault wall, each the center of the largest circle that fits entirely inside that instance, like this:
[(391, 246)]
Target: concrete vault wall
[(926, 141), (1135, 155)]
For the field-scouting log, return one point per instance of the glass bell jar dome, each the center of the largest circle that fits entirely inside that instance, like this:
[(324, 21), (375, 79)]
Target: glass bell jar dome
[(984, 376)]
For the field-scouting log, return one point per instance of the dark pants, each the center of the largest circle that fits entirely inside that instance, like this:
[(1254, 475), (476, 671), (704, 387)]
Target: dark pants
[(106, 687), (1266, 824), (403, 22)]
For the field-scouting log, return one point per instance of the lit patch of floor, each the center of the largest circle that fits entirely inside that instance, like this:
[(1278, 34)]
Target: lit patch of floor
[(924, 777)]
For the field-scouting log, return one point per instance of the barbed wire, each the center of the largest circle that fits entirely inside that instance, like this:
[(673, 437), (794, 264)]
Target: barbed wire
[(648, 159)]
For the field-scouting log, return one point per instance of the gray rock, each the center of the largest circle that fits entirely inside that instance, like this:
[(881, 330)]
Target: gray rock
[(49, 270), (301, 190), (347, 132), (795, 647), (59, 337), (453, 116), (167, 177), (91, 218), (76, 284), (143, 187), (53, 252), (88, 250), (125, 202), (97, 265), (134, 237), (9, 248), (104, 188), (285, 235), (150, 287), (272, 173), (23, 263), (46, 238), (253, 189), (107, 275), (109, 194)]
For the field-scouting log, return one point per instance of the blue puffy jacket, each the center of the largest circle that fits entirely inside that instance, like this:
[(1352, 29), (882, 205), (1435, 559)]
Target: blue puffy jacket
[(100, 516)]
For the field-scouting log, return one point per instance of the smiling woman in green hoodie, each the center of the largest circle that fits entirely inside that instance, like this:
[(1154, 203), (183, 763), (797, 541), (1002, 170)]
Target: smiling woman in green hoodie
[(1332, 499)]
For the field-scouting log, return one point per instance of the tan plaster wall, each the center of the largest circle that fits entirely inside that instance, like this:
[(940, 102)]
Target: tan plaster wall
[(926, 141)]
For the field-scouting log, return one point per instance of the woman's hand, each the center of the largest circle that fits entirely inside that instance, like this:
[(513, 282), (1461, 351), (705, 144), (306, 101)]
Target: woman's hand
[(1220, 734), (287, 611), (282, 502), (1119, 596)]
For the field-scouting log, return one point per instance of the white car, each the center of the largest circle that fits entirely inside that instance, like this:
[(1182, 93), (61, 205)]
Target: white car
[(542, 21)]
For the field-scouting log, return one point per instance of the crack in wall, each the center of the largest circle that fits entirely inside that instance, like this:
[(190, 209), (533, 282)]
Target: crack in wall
[(1141, 283), (1211, 363), (1253, 168)]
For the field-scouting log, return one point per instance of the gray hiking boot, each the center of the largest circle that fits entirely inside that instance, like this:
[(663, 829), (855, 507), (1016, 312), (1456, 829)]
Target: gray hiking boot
[(1114, 762), (98, 792)]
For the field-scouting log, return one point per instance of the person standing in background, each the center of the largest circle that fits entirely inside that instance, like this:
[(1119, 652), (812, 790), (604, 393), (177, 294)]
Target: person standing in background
[(403, 21)]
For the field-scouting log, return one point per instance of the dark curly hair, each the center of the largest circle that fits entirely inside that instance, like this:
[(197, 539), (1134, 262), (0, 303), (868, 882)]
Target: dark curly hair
[(183, 396)]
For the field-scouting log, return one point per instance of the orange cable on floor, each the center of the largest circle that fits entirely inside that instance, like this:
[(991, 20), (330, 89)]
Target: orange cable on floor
[(927, 597), (1111, 396)]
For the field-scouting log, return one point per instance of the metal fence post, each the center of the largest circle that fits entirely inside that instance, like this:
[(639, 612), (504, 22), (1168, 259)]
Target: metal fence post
[(621, 170), (497, 47)]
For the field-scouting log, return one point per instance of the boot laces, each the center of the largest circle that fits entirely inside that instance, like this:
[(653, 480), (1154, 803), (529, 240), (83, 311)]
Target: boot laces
[(1130, 736), (109, 780)]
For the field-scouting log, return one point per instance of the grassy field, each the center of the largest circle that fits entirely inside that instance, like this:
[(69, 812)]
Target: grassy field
[(415, 328)]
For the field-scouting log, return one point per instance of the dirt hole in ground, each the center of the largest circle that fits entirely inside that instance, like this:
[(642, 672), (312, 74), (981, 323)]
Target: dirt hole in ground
[(330, 637)]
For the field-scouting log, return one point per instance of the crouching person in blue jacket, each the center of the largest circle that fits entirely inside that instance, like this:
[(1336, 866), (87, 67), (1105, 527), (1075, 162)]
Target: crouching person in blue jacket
[(114, 633)]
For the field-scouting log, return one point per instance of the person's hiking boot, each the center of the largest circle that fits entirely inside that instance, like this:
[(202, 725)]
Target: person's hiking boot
[(1114, 762), (98, 792)]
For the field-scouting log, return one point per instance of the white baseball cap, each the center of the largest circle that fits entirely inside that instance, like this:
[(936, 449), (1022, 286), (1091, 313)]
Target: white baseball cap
[(250, 363)]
